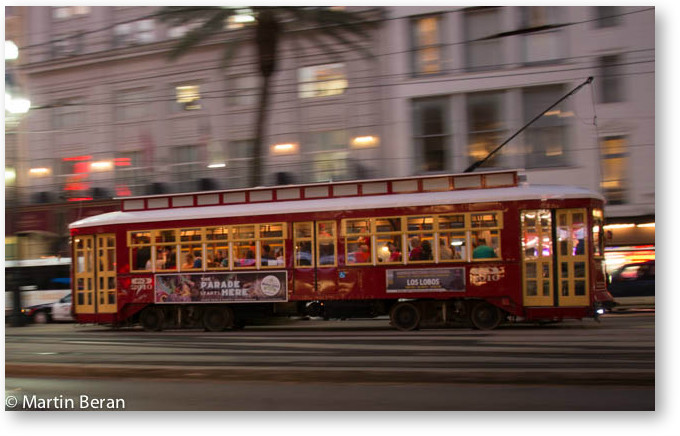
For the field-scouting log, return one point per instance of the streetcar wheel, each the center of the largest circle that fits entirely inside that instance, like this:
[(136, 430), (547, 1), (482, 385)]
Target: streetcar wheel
[(216, 319), (485, 316), (152, 319), (405, 316), (41, 317)]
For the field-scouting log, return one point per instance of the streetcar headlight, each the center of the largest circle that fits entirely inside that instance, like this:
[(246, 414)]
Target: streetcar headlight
[(600, 311)]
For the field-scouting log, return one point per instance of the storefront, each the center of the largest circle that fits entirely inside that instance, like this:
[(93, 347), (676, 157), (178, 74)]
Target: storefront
[(33, 232)]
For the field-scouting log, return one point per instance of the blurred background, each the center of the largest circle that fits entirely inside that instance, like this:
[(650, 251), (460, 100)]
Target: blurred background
[(102, 102)]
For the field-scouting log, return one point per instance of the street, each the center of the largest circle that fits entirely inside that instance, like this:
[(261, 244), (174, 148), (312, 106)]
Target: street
[(341, 365)]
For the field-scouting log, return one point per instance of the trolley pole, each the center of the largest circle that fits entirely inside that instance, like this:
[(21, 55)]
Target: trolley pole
[(480, 162)]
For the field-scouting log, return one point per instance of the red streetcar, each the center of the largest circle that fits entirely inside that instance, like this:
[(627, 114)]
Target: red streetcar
[(480, 249)]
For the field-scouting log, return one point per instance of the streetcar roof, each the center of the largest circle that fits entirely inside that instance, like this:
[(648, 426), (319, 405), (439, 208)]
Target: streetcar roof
[(516, 193)]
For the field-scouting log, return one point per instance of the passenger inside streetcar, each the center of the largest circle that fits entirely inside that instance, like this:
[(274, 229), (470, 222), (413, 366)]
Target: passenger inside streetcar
[(483, 251)]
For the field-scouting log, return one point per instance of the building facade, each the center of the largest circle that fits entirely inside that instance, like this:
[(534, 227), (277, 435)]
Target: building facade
[(113, 116)]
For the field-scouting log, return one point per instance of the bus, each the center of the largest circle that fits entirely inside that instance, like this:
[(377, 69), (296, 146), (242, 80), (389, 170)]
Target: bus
[(39, 281), (479, 249)]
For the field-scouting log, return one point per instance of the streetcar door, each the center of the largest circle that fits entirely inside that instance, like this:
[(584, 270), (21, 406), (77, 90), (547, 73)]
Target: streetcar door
[(83, 274), (554, 257), (315, 258), (94, 288), (537, 257), (106, 273), (572, 257)]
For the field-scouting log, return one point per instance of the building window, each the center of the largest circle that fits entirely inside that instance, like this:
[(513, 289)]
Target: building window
[(546, 138), (327, 155), (485, 125), (67, 45), (482, 54), (68, 114), (243, 17), (614, 161), (145, 32), (131, 175), (239, 157), (431, 135), (322, 80), (176, 32), (132, 104), (187, 98), (138, 32), (607, 16), (426, 43), (543, 46), (243, 90), (65, 12), (611, 87), (242, 150), (187, 165)]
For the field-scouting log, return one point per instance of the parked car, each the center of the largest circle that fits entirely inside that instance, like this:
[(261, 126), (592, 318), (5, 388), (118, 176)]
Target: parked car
[(632, 285), (50, 312)]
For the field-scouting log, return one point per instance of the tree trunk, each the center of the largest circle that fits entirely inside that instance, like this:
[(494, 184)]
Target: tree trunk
[(259, 147), (267, 35)]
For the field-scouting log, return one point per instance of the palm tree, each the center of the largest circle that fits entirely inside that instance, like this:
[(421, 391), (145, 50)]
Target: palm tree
[(271, 24)]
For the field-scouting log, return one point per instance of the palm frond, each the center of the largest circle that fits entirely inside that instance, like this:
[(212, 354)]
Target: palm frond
[(230, 49), (346, 21), (333, 23), (316, 40), (195, 36), (340, 37), (179, 15)]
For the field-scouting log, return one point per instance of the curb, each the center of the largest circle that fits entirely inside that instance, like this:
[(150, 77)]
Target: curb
[(335, 375)]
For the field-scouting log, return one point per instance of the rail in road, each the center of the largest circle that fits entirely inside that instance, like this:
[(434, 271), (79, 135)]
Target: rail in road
[(618, 351)]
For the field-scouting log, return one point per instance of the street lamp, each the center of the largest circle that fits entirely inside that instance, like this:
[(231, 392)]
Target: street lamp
[(11, 51), (16, 105)]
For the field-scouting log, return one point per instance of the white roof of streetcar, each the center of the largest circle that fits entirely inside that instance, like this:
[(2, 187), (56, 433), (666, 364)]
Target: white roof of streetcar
[(366, 202)]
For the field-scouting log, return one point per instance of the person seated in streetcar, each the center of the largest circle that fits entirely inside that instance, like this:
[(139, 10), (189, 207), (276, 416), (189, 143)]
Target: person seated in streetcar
[(483, 251)]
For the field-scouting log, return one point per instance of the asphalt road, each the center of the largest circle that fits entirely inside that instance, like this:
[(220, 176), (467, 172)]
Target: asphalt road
[(341, 365)]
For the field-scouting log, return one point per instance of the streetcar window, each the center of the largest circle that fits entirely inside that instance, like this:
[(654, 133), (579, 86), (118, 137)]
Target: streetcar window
[(598, 231), (358, 241), (165, 236), (423, 239), (187, 235), (272, 247), (217, 255), (217, 233), (245, 247), (325, 238), (389, 239), (303, 244), (140, 250), (452, 246)]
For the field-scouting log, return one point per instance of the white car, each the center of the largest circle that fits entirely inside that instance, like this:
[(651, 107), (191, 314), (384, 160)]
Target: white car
[(57, 311)]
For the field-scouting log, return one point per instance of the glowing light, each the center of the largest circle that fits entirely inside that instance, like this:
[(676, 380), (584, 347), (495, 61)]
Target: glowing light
[(102, 165), (365, 141), (10, 175), (647, 225), (11, 51), (618, 226), (17, 105), (217, 165), (37, 172), (288, 148)]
